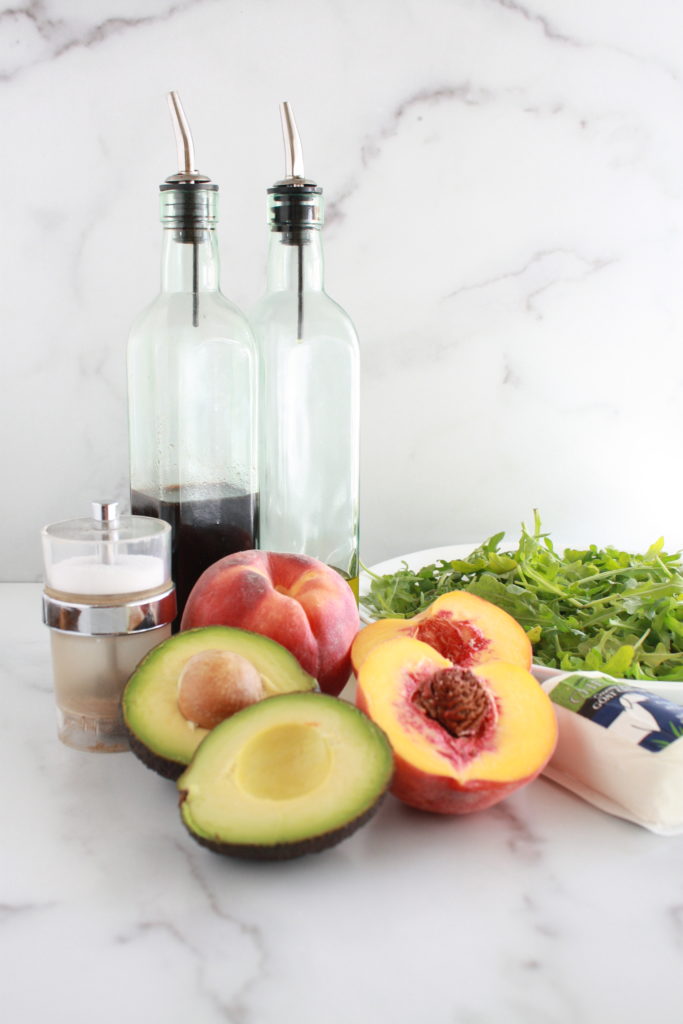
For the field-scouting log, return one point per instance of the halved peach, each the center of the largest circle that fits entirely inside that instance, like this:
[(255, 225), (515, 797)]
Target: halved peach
[(463, 738), (462, 627)]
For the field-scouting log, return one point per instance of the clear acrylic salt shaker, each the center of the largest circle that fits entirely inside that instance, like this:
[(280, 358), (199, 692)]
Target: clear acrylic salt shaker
[(108, 600)]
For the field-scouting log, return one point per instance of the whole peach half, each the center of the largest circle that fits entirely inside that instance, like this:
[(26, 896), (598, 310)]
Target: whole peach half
[(463, 738), (296, 600), (462, 627)]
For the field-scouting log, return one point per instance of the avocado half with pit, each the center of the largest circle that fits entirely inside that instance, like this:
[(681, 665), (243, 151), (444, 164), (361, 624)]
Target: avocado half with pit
[(159, 734), (287, 776)]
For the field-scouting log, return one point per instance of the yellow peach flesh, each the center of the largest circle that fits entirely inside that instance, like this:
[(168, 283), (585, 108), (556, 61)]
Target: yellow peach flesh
[(497, 636), (524, 733)]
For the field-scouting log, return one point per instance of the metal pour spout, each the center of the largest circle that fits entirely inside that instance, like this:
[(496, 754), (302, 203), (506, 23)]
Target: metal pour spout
[(183, 135), (195, 201), (186, 169), (294, 154)]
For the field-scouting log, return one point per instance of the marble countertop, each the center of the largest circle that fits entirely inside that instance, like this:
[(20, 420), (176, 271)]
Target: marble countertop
[(541, 910)]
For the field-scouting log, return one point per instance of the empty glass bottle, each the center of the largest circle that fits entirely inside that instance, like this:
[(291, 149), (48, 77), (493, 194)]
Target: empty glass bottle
[(309, 385), (192, 379)]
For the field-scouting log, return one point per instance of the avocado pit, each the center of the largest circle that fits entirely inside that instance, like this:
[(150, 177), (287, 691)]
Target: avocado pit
[(214, 684)]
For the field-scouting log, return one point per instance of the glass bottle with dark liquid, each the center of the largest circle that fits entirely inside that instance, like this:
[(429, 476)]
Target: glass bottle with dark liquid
[(207, 524), (192, 389)]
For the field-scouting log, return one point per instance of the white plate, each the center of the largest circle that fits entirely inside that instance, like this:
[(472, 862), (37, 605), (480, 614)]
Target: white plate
[(418, 559)]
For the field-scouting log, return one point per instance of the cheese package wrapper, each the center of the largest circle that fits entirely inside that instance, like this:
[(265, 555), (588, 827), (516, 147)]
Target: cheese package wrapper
[(620, 747)]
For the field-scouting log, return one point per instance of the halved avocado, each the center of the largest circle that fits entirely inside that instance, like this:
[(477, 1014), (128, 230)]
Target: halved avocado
[(287, 776), (158, 733)]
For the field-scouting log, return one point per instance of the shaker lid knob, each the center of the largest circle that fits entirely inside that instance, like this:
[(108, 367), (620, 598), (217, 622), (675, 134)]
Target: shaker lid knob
[(105, 511)]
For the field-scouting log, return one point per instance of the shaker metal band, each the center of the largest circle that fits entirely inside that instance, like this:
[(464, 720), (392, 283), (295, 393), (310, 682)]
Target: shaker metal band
[(148, 612)]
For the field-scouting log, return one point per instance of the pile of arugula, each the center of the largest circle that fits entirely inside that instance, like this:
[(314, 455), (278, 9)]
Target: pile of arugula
[(606, 610)]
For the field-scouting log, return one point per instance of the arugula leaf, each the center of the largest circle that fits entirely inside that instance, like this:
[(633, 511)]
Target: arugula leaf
[(608, 609)]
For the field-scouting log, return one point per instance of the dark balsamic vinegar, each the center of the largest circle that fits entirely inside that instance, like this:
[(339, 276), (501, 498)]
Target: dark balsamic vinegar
[(208, 523)]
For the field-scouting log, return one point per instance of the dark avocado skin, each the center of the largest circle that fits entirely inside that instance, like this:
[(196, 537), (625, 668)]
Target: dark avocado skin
[(161, 765), (287, 851)]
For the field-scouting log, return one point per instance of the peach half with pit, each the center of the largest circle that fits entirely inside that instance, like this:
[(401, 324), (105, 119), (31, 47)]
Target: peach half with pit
[(295, 600), (463, 738), (464, 628)]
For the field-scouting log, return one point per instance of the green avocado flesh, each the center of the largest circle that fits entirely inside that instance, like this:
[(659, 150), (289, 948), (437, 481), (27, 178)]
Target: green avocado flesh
[(159, 734), (287, 776)]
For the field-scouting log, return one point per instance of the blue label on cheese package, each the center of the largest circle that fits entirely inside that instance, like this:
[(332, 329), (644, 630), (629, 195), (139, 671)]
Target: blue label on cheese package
[(637, 716)]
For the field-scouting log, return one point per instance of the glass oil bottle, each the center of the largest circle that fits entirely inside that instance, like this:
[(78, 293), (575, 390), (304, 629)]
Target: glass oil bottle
[(192, 388), (309, 384)]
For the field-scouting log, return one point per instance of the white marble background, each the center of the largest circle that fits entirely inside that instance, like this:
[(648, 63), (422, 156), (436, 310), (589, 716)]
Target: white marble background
[(504, 184)]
